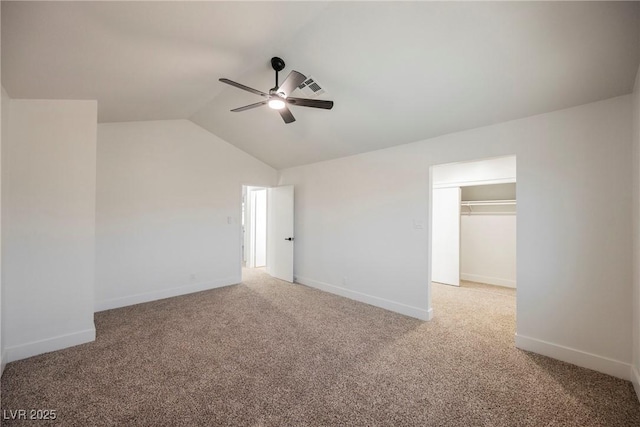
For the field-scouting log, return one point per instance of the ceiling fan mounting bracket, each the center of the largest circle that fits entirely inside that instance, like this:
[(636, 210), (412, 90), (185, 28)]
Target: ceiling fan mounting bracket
[(278, 65)]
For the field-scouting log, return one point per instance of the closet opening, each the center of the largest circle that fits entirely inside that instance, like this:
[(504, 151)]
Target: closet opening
[(473, 226)]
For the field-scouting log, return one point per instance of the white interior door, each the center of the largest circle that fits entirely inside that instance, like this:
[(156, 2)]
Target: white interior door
[(280, 232), (445, 229)]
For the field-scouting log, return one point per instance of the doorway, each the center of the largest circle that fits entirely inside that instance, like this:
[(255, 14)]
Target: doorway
[(254, 227), (473, 223), (267, 231)]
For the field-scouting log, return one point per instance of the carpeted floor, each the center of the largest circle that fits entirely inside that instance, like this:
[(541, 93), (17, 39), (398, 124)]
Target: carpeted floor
[(271, 353)]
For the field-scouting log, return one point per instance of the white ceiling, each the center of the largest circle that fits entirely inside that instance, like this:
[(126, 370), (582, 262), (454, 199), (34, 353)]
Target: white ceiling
[(398, 71)]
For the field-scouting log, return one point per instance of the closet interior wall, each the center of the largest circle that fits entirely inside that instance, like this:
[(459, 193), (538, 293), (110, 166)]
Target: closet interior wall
[(488, 234)]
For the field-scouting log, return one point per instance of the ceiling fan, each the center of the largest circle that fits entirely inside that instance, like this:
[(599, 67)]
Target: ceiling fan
[(278, 96)]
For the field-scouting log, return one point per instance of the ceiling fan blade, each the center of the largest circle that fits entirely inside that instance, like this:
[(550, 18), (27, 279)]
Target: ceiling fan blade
[(250, 106), (286, 115), (243, 87), (315, 103), (293, 80)]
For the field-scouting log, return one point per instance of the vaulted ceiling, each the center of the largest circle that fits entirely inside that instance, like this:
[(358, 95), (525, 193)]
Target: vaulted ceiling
[(398, 72)]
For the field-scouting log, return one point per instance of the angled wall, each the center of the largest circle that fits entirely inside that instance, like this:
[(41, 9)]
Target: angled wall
[(168, 210)]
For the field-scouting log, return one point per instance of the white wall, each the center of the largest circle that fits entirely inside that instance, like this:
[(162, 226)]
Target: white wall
[(168, 210), (4, 130), (48, 225), (636, 235), (355, 217), (488, 249)]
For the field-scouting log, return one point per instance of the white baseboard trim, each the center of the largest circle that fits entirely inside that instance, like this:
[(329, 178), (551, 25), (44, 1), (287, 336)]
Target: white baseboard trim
[(488, 280), (635, 379), (581, 358), (35, 348), (397, 307), (164, 293)]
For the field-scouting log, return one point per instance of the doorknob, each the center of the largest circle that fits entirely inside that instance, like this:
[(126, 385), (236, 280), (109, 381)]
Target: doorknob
[(288, 238)]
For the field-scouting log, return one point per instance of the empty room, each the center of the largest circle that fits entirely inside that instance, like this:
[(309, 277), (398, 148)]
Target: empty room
[(223, 213)]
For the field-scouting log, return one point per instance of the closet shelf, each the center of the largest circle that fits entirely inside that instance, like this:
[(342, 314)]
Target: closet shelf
[(488, 202), (469, 204)]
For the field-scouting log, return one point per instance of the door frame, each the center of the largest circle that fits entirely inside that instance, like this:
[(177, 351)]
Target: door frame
[(432, 186), (251, 214), (241, 217), (239, 230)]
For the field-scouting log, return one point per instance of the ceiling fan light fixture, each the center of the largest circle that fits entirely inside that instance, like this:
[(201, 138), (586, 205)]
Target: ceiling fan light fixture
[(279, 96), (276, 103)]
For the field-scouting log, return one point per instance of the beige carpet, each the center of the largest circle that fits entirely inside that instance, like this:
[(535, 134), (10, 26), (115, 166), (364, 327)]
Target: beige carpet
[(483, 287), (271, 353)]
